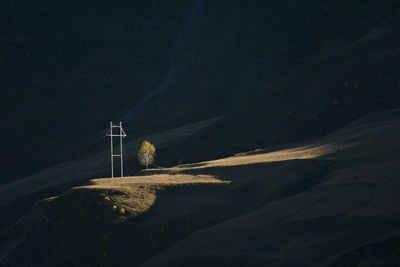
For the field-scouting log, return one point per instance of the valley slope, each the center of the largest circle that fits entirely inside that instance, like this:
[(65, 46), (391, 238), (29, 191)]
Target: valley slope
[(332, 201)]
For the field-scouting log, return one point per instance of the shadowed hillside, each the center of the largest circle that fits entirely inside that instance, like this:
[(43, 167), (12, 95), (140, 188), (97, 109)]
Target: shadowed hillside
[(277, 68), (310, 88), (327, 202)]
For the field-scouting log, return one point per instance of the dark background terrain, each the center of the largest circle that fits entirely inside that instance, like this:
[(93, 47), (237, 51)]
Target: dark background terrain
[(202, 80), (278, 70)]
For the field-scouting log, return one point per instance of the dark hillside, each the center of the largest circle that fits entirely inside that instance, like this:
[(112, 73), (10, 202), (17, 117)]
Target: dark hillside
[(310, 88), (333, 88), (68, 67), (277, 68), (332, 201)]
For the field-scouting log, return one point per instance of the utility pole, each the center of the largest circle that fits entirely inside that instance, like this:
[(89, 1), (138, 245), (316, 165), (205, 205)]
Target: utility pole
[(121, 134)]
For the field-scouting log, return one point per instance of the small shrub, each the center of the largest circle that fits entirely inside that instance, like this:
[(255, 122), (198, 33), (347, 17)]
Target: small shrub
[(122, 210)]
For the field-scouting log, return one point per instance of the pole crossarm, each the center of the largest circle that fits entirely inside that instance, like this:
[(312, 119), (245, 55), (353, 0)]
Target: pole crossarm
[(121, 134)]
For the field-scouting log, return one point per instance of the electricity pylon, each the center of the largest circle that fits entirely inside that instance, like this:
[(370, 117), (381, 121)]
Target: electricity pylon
[(121, 134)]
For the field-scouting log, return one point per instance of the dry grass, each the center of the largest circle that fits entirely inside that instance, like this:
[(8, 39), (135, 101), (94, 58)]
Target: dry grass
[(137, 194), (305, 205), (89, 166), (355, 206), (156, 179)]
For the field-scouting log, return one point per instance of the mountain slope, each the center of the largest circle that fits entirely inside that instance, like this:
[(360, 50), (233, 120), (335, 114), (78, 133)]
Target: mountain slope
[(69, 67), (351, 209), (331, 202)]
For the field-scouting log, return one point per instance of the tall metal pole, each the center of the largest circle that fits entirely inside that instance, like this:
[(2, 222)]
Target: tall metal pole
[(121, 152), (121, 135), (112, 153)]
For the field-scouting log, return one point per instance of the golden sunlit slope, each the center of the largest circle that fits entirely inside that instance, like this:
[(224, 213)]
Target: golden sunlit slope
[(351, 218), (333, 201), (83, 168)]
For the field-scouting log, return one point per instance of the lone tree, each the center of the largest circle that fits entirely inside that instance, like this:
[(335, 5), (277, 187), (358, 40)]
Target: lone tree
[(146, 154)]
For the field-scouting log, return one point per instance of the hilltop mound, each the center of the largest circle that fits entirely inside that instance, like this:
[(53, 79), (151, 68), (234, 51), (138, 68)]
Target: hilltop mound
[(328, 202)]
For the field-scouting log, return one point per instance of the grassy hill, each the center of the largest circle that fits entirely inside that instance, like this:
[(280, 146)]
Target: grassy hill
[(331, 201)]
